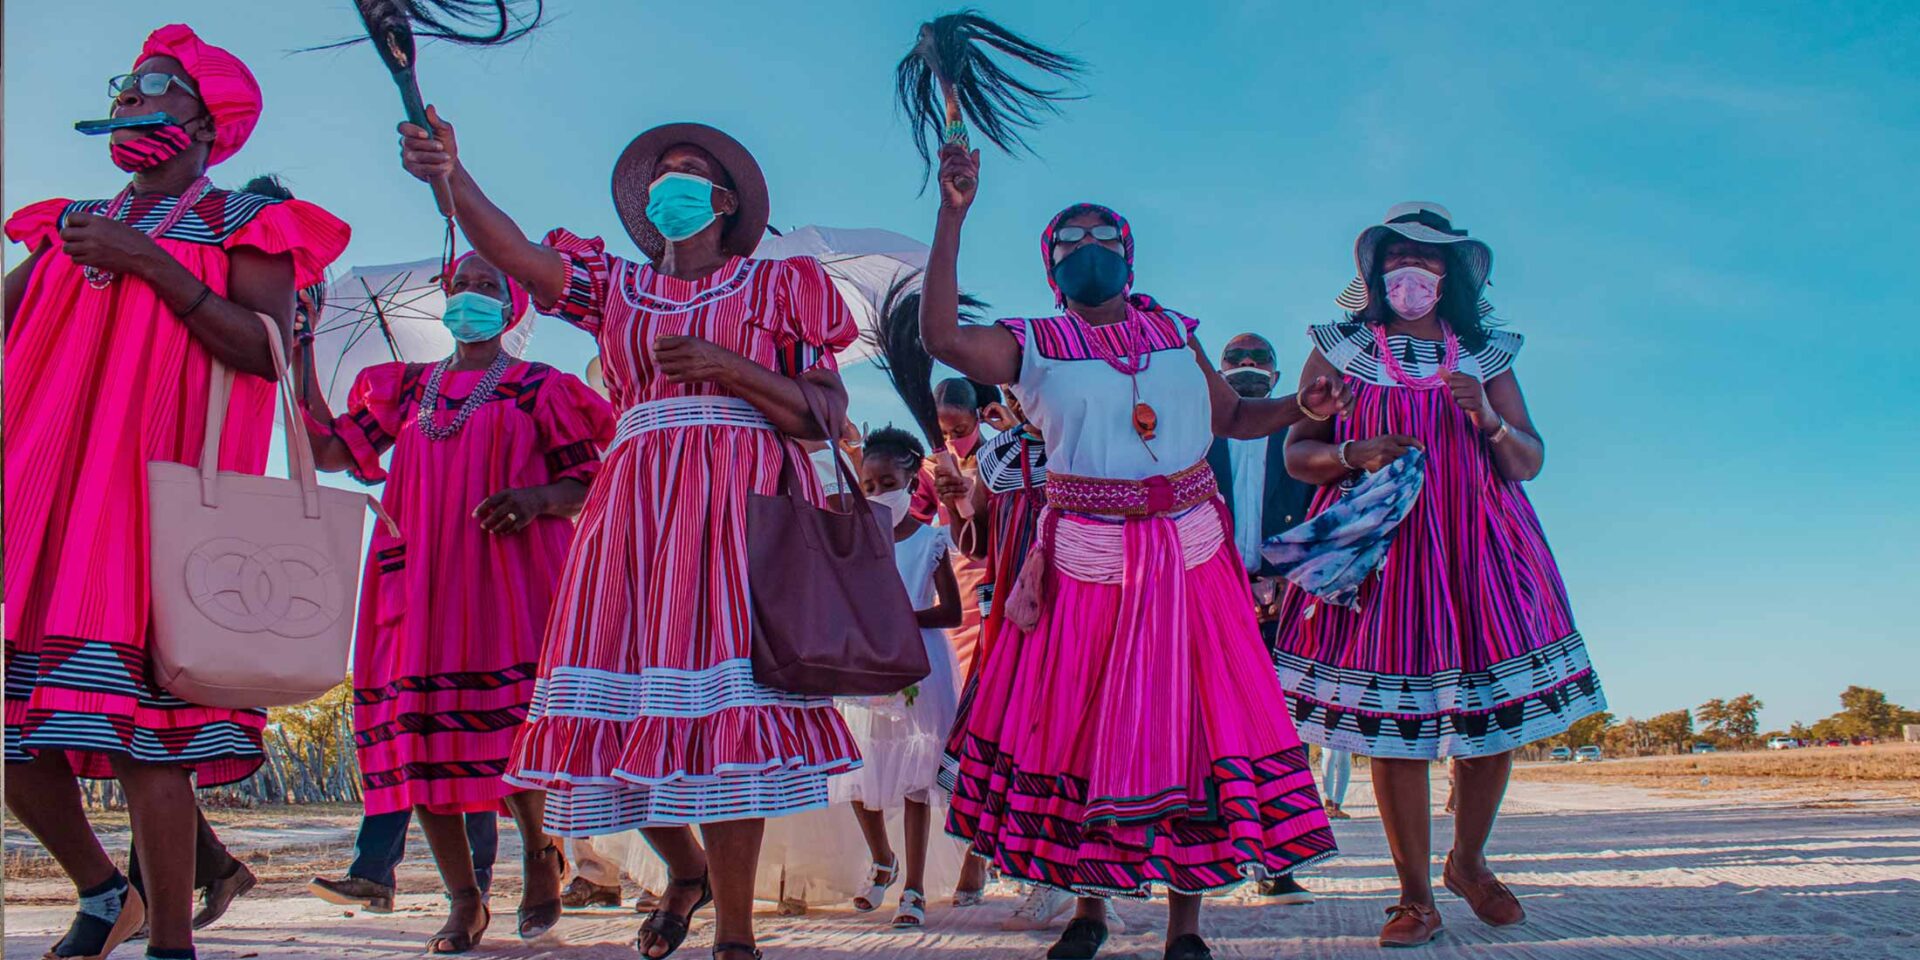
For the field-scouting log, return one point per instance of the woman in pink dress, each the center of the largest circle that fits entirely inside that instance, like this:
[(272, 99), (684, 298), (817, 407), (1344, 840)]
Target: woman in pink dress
[(646, 713), (1463, 645), (1130, 623), (112, 322), (492, 456)]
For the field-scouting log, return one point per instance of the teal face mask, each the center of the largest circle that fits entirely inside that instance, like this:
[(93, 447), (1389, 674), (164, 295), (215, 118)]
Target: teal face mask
[(680, 205), (473, 317)]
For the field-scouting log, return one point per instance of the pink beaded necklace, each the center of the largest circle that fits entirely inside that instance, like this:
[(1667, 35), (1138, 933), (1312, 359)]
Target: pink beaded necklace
[(1449, 362), (1138, 356), (98, 278)]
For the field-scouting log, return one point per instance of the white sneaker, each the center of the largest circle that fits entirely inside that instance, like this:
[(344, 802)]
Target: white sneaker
[(1042, 906)]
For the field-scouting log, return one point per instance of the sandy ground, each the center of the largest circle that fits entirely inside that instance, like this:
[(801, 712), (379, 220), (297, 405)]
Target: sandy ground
[(1605, 871)]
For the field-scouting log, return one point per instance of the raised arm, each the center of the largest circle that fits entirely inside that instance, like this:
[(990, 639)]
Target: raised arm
[(330, 453), (988, 354), (1247, 418), (539, 268)]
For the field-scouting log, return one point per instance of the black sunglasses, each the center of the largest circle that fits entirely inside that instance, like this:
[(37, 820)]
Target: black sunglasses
[(1239, 356), (1105, 233), (149, 84)]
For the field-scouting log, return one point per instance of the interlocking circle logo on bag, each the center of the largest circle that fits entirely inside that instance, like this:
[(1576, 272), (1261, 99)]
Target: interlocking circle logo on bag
[(289, 590)]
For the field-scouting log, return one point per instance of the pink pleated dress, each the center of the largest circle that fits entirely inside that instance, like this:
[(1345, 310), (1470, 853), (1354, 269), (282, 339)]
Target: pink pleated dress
[(1129, 740), (1464, 644), (451, 616), (646, 712), (98, 383)]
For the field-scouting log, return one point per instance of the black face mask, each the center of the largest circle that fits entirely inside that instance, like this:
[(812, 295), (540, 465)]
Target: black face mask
[(1249, 383), (1092, 274)]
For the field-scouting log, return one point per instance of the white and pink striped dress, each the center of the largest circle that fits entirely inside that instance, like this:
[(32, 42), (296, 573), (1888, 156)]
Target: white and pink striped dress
[(646, 712)]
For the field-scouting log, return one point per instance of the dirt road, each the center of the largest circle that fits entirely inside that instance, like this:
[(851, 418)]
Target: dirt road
[(1606, 873)]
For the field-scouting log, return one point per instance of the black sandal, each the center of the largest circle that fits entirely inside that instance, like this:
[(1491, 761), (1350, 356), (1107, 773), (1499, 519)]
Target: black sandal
[(460, 940), (720, 948), (534, 922), (1081, 941), (672, 928), (1189, 946)]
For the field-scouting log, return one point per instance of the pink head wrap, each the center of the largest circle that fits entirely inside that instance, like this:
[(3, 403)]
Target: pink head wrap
[(226, 85), (515, 291)]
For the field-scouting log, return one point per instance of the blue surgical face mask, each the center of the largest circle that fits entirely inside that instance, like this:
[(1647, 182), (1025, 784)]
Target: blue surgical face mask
[(680, 205), (473, 317)]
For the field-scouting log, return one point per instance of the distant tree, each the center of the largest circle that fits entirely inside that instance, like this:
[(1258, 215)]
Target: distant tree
[(1588, 730), (1628, 738), (1743, 724), (1672, 730), (1864, 712), (1735, 722), (1800, 731)]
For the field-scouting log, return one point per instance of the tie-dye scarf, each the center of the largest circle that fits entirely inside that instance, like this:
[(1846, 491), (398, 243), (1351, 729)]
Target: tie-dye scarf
[(1332, 554)]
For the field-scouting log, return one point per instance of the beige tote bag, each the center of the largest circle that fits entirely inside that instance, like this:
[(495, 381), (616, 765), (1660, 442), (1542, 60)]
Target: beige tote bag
[(253, 577)]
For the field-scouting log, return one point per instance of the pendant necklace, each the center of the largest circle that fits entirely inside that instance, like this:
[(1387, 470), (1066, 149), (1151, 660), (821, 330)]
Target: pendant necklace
[(1134, 361)]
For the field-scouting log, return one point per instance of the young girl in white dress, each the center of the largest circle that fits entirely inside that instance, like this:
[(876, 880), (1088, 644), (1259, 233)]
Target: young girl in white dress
[(902, 736)]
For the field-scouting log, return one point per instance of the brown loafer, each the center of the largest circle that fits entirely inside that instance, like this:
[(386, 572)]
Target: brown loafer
[(1410, 925), (1492, 902)]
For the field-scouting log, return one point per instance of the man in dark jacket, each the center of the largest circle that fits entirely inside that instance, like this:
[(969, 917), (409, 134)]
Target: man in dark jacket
[(1265, 501), (1253, 477)]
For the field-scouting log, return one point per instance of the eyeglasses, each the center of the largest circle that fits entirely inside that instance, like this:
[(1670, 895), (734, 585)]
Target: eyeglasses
[(149, 84), (1105, 233), (1241, 356)]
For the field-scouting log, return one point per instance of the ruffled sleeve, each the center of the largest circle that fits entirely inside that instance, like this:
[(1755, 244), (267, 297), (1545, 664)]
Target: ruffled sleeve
[(1016, 326), (583, 301), (314, 237), (1496, 357), (37, 225), (811, 319), (575, 425), (372, 421)]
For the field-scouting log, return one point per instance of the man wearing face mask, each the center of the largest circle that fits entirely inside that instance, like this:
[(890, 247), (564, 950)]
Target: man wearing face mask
[(1253, 477)]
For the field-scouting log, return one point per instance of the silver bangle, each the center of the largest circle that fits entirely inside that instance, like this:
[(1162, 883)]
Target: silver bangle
[(1340, 453), (1500, 434)]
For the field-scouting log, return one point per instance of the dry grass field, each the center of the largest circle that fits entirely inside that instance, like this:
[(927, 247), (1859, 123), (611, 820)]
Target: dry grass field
[(1890, 769)]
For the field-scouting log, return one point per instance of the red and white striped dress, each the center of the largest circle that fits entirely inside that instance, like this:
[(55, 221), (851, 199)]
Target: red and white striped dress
[(646, 712)]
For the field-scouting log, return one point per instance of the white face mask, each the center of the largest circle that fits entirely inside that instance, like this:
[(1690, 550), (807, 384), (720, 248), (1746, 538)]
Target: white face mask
[(1412, 291), (896, 503)]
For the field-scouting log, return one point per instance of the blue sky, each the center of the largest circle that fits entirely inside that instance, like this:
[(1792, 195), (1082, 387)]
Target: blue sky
[(1697, 212)]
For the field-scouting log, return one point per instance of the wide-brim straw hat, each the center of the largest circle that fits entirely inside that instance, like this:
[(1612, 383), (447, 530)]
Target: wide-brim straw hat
[(1425, 222), (633, 175)]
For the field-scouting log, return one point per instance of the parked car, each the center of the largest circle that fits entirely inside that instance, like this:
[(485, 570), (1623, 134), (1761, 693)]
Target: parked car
[(1703, 748), (1588, 754), (1561, 754), (1782, 743)]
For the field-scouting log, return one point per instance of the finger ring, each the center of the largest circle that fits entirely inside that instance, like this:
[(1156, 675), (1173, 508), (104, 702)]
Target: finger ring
[(512, 516)]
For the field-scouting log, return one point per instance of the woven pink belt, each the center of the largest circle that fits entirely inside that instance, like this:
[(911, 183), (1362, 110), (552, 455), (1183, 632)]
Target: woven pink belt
[(1132, 498)]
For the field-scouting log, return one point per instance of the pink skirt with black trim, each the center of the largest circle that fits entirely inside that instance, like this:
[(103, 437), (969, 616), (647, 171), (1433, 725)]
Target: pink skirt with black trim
[(1146, 637)]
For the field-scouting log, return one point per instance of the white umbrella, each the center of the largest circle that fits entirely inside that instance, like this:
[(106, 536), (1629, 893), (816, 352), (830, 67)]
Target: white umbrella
[(378, 314), (863, 262)]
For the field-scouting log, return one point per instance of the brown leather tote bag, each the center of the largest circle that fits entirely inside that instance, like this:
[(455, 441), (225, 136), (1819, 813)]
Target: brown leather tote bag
[(830, 615)]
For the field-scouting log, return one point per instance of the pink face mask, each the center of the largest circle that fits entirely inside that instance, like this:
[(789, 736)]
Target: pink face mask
[(1412, 291)]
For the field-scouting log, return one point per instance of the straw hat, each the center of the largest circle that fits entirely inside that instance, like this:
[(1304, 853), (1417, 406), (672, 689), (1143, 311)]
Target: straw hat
[(1425, 222), (633, 174)]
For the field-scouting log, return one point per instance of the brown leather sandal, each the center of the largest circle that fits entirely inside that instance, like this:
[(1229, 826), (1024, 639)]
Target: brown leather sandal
[(672, 928), (536, 920), (451, 939)]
